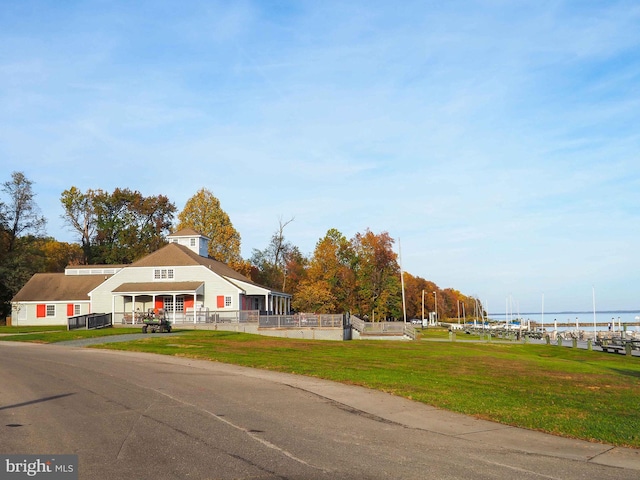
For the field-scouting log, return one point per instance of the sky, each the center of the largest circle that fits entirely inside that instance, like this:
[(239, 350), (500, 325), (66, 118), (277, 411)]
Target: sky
[(497, 141)]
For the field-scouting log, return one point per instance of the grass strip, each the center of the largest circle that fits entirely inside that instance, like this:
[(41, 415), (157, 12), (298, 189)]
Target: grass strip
[(57, 333)]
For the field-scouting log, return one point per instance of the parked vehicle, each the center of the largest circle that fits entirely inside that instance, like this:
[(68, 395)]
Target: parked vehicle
[(156, 322)]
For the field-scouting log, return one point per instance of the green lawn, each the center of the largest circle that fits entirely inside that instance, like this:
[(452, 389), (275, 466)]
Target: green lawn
[(57, 333), (14, 330), (569, 392)]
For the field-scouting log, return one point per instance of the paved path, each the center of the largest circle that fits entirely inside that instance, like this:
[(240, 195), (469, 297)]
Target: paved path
[(135, 415), (125, 337)]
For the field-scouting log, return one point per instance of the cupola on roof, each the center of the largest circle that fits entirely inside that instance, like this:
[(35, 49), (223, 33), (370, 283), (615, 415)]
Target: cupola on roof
[(191, 239)]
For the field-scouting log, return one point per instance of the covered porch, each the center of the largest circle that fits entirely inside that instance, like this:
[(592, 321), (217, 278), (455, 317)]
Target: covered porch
[(131, 301), (278, 303)]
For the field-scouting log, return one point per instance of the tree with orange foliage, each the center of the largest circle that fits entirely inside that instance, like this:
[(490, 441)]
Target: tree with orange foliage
[(330, 282), (377, 273)]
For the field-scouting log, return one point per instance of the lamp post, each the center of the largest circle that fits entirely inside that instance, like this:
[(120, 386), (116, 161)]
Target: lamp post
[(436, 301), (423, 307)]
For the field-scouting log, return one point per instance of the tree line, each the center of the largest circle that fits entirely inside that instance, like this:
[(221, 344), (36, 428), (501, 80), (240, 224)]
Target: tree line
[(360, 275)]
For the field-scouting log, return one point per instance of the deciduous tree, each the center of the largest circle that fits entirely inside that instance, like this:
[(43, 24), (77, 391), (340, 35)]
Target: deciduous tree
[(80, 215), (20, 214), (129, 225), (118, 227), (271, 263), (329, 276), (58, 255), (203, 213), (315, 297), (377, 276), (21, 226)]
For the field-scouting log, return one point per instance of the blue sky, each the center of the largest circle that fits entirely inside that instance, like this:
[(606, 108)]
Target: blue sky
[(498, 140)]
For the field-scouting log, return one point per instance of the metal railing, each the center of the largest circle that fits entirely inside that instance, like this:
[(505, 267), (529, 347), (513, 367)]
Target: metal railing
[(298, 320), (302, 320), (358, 323), (410, 331), (90, 321), (383, 328), (194, 317)]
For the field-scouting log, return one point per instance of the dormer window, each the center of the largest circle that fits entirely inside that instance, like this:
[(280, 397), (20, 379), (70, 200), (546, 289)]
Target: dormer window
[(192, 241), (163, 274)]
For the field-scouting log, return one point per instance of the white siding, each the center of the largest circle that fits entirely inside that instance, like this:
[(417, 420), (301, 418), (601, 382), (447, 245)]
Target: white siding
[(31, 318), (215, 285)]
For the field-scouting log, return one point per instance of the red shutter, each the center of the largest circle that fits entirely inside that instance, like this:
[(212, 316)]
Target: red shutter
[(41, 310), (69, 309), (220, 301)]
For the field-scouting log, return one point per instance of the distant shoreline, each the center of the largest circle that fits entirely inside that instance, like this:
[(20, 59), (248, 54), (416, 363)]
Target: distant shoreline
[(564, 312)]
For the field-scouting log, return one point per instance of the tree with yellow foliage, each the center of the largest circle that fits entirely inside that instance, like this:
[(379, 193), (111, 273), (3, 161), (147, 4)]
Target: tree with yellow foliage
[(203, 213)]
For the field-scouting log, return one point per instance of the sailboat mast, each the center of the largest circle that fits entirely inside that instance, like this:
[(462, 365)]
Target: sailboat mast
[(404, 305)]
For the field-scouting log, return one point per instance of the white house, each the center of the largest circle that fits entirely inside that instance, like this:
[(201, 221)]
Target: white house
[(179, 278)]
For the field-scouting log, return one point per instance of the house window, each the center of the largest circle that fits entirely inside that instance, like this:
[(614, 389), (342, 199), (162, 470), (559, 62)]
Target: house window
[(193, 242), (227, 301), (163, 273), (76, 309), (51, 310)]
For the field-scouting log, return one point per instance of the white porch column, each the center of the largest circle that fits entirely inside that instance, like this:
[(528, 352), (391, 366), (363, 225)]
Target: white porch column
[(133, 309), (174, 308)]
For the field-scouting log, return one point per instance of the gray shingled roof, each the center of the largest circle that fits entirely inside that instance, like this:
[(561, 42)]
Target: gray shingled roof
[(57, 287)]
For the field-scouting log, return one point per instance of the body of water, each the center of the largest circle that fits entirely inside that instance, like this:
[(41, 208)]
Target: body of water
[(617, 319)]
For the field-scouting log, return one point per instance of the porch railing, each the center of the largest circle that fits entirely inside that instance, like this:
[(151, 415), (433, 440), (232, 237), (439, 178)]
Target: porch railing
[(191, 317)]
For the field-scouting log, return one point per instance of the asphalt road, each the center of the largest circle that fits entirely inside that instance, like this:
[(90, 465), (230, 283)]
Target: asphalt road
[(140, 416)]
